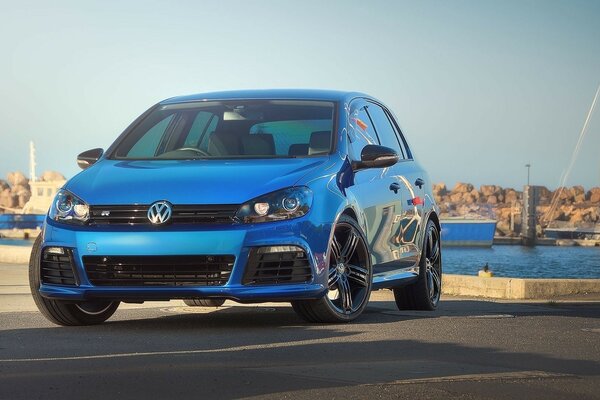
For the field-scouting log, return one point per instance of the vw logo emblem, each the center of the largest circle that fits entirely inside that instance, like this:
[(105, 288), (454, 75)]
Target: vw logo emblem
[(159, 212)]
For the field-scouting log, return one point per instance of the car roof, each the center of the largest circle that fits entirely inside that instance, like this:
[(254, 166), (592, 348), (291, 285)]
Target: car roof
[(287, 94)]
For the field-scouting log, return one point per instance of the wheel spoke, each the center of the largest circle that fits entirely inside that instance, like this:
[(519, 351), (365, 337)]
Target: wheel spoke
[(333, 277), (429, 243), (345, 294), (436, 254), (335, 249), (436, 278), (359, 275), (350, 246)]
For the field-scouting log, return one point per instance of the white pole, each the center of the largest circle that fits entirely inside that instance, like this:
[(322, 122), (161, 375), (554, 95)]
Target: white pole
[(32, 176)]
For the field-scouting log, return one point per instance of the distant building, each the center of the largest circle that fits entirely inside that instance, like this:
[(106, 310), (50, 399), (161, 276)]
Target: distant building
[(42, 193)]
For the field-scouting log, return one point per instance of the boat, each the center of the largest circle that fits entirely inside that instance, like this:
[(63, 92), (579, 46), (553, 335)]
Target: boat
[(28, 221), (465, 232), (590, 232)]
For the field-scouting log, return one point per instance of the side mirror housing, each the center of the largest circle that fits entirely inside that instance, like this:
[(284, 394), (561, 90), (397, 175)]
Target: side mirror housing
[(87, 158), (375, 156)]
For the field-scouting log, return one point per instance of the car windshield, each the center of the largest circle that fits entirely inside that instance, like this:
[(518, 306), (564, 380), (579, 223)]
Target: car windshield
[(231, 129)]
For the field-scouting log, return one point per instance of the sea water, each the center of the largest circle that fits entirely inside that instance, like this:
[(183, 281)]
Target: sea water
[(524, 262)]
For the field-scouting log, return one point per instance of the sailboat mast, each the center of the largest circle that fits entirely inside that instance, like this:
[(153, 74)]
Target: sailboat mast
[(32, 176)]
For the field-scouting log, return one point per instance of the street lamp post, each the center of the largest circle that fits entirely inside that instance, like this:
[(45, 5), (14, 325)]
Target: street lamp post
[(528, 168)]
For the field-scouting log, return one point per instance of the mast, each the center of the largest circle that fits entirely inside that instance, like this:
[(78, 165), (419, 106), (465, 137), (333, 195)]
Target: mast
[(32, 176)]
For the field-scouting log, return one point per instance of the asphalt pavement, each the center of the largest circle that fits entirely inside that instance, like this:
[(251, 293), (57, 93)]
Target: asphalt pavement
[(467, 349)]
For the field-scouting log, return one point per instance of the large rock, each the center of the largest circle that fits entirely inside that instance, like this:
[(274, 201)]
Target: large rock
[(511, 196), (593, 195), (488, 190), (52, 176), (7, 199), (17, 178), (461, 187), (439, 189), (3, 185)]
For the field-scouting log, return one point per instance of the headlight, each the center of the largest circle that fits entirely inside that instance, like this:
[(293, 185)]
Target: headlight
[(66, 207), (288, 203)]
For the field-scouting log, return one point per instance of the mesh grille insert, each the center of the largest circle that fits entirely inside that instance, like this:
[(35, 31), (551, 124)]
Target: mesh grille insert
[(206, 270), (57, 269), (266, 267)]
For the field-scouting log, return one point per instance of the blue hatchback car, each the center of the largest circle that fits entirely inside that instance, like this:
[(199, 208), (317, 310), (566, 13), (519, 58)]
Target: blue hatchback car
[(302, 196)]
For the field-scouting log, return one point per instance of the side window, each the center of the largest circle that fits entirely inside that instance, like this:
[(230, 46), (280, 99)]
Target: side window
[(360, 132), (146, 147), (385, 131), (403, 144)]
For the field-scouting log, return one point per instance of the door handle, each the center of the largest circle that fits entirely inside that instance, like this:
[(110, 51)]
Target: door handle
[(395, 187), (419, 182)]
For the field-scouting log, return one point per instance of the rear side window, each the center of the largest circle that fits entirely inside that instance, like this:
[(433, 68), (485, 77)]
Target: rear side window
[(385, 131)]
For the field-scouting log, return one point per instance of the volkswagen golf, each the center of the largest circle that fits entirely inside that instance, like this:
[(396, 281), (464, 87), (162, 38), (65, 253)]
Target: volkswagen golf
[(304, 196)]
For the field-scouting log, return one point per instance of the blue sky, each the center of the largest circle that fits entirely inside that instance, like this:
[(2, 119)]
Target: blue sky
[(480, 88)]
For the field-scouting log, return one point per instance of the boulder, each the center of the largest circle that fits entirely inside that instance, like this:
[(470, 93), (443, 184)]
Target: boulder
[(439, 189), (461, 187), (492, 200), (511, 196), (7, 199), (456, 197), (593, 195), (49, 176), (487, 190), (3, 185), (17, 178)]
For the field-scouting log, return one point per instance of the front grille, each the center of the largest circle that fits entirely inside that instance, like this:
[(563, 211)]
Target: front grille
[(57, 269), (271, 265), (206, 270), (182, 214)]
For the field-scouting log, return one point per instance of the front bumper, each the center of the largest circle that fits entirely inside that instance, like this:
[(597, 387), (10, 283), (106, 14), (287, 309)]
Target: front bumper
[(182, 240)]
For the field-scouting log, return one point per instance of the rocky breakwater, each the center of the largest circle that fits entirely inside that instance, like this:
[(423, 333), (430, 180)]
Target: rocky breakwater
[(564, 207), (15, 191)]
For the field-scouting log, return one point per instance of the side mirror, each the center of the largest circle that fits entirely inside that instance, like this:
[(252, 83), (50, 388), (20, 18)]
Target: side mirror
[(375, 156), (87, 158)]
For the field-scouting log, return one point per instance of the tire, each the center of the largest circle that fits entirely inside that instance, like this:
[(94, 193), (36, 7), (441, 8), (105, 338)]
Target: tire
[(425, 293), (62, 312), (204, 302), (350, 278)]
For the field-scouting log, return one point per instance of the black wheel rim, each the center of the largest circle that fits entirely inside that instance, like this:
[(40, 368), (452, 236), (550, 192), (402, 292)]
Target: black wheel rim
[(433, 264), (349, 276)]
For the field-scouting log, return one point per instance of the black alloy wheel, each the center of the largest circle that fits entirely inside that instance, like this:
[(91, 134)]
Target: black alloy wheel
[(425, 293), (349, 278), (64, 312)]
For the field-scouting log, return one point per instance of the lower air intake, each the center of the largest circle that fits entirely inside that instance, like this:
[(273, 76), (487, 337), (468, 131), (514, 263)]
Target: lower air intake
[(277, 265), (206, 270)]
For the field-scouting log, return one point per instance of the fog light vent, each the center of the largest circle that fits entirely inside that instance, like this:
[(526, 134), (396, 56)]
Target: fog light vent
[(277, 265), (57, 267)]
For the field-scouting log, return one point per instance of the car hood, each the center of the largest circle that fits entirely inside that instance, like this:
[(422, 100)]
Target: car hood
[(113, 182)]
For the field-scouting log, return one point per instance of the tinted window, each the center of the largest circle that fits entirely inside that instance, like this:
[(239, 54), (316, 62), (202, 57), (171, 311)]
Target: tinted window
[(230, 129), (385, 131), (360, 132), (147, 145), (291, 135), (199, 127)]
